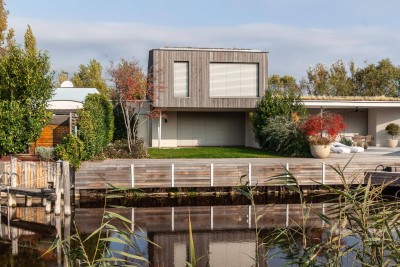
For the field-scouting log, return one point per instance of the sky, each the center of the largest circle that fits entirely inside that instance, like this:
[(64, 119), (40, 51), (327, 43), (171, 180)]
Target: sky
[(296, 33)]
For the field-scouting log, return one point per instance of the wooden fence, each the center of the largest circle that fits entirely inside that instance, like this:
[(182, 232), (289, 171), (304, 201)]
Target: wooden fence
[(153, 174), (30, 174)]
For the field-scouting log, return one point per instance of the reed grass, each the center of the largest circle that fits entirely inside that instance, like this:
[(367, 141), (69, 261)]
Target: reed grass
[(361, 228), (94, 250)]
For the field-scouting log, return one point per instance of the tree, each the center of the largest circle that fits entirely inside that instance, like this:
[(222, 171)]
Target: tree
[(30, 42), (25, 88), (317, 81), (342, 84), (131, 94), (372, 80), (283, 83), (95, 124), (91, 76), (3, 22), (380, 79), (61, 77)]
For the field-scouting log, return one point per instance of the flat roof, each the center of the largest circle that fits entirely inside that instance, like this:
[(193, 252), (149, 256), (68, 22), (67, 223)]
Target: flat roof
[(211, 49), (72, 94), (351, 104)]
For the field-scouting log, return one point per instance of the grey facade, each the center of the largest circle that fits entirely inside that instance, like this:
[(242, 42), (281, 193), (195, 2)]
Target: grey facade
[(206, 95)]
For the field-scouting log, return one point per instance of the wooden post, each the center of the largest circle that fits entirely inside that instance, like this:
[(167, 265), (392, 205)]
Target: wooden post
[(59, 235), (28, 201), (12, 198), (67, 234), (323, 173), (14, 240), (13, 231), (47, 203), (58, 184), (67, 188), (13, 171)]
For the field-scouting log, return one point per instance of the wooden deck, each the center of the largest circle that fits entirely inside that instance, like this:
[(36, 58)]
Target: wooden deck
[(148, 173)]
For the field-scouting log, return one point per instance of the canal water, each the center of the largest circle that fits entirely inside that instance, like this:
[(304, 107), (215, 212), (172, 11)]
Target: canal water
[(227, 231)]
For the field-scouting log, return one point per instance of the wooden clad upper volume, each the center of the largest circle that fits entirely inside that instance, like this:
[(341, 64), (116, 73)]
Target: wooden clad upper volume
[(161, 64)]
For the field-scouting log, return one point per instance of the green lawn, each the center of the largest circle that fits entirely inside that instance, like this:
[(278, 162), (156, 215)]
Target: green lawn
[(208, 152)]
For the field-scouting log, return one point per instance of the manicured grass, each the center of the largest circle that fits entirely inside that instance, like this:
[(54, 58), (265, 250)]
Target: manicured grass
[(208, 152)]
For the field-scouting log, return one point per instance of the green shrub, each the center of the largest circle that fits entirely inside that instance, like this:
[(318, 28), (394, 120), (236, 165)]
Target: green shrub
[(275, 104), (95, 124), (392, 129), (45, 153), (285, 136), (346, 141), (119, 149), (71, 148)]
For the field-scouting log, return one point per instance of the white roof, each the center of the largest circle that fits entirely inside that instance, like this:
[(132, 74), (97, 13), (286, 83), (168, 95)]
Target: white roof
[(350, 104), (69, 97)]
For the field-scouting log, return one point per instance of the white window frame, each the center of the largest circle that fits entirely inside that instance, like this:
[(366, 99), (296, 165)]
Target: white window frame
[(181, 79)]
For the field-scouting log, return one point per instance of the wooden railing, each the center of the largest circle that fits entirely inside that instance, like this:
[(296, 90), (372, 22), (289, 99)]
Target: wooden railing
[(153, 174)]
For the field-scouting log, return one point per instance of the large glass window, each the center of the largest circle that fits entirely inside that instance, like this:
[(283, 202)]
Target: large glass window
[(233, 79), (181, 79)]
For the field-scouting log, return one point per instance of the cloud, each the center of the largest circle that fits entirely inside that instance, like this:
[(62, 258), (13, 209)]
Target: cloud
[(292, 49)]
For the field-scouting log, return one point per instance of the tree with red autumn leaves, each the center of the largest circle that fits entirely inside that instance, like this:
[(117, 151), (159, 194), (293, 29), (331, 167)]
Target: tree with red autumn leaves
[(323, 128), (133, 92)]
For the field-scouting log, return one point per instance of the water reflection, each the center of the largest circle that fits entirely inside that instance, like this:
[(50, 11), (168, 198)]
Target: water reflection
[(223, 235)]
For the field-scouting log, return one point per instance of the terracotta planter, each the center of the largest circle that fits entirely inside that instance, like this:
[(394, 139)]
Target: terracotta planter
[(320, 151), (391, 142)]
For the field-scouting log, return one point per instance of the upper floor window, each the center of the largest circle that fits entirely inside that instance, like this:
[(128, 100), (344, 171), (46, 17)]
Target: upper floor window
[(233, 80), (181, 79)]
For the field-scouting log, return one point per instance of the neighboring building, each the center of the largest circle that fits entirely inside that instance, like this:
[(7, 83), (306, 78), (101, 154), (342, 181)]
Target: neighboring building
[(363, 116), (64, 104), (207, 95)]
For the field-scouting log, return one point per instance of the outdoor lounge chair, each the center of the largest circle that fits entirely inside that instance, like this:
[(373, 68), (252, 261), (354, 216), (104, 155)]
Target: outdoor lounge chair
[(352, 149)]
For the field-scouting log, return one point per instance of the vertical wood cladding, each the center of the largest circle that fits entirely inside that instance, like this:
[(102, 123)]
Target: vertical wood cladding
[(161, 62)]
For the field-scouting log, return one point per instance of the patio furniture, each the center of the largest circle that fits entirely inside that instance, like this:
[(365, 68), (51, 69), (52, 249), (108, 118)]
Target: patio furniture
[(358, 140)]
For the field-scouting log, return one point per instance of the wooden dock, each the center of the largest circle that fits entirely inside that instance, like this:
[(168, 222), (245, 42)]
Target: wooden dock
[(213, 173), (52, 186)]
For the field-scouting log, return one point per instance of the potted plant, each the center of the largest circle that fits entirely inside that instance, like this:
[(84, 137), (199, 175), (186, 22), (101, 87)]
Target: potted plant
[(393, 130), (321, 130)]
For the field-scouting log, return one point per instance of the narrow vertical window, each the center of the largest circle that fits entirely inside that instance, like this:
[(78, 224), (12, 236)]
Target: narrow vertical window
[(181, 79)]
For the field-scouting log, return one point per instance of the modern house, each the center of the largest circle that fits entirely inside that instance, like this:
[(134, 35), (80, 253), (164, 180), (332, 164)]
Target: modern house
[(207, 95), (64, 105)]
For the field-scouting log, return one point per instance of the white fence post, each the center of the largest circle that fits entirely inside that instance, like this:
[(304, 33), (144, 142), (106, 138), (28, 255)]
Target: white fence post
[(249, 174), (287, 169), (287, 215), (172, 219), (172, 175), (323, 173), (212, 217), (212, 175), (249, 215), (133, 175)]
